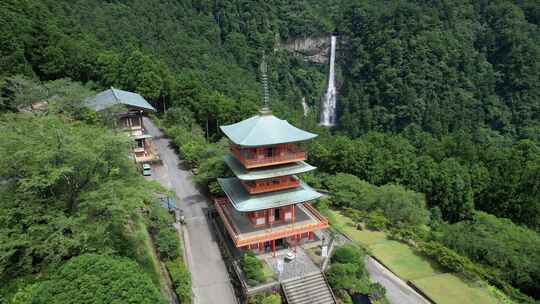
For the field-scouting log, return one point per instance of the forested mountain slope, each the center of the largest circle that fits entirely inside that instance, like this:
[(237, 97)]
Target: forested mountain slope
[(166, 50), (442, 65)]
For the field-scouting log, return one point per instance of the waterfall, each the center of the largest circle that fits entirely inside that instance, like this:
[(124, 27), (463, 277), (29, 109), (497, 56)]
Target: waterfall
[(305, 106), (328, 111)]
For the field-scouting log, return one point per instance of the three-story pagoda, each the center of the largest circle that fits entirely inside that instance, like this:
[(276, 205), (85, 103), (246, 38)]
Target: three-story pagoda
[(267, 205)]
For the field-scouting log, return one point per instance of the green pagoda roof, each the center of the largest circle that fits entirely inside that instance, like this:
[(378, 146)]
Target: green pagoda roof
[(114, 96), (264, 130), (244, 202), (267, 172)]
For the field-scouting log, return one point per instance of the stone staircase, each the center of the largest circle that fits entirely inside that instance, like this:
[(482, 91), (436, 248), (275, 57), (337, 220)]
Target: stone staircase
[(310, 289)]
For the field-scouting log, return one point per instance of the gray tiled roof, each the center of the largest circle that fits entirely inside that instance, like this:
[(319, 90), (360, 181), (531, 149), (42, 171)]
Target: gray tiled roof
[(114, 96)]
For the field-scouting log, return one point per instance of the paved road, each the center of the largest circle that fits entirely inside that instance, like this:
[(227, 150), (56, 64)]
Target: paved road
[(211, 282), (397, 291)]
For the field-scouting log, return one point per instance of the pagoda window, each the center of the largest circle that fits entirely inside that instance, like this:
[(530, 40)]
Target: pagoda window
[(260, 218), (269, 152), (288, 216), (134, 121), (277, 214), (125, 122)]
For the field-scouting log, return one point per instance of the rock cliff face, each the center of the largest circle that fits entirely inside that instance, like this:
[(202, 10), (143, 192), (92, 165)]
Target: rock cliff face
[(313, 49)]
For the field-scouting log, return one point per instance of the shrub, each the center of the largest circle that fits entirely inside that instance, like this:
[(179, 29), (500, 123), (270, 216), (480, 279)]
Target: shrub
[(377, 221), (159, 218), (179, 115), (209, 170), (343, 296), (409, 233), (449, 259), (349, 254), (252, 268), (344, 276), (350, 191), (314, 179), (181, 280), (272, 298), (376, 291), (356, 215), (165, 237), (167, 244), (401, 206)]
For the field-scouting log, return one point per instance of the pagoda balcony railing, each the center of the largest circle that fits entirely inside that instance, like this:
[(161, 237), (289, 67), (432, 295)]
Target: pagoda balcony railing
[(260, 159), (263, 186), (315, 213), (270, 233)]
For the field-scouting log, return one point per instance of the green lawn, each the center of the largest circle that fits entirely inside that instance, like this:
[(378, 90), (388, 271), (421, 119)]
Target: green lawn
[(364, 237), (404, 262), (449, 289)]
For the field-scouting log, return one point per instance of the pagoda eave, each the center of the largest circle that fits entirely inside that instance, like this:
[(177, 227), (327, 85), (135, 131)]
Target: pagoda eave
[(242, 201), (254, 174), (264, 130)]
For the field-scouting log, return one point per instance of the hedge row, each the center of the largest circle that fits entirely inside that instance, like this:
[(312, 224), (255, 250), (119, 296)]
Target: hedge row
[(181, 279)]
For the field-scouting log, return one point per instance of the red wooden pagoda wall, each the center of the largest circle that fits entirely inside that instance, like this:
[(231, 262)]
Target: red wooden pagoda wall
[(271, 155), (266, 217), (271, 184)]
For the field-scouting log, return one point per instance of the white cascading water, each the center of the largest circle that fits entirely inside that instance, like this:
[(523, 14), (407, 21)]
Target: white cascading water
[(328, 113), (305, 106)]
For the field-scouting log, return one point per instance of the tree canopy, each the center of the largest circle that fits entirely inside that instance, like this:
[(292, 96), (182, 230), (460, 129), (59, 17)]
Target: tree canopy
[(93, 279)]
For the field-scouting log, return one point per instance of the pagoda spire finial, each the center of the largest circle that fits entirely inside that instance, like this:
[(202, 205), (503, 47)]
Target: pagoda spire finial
[(264, 81)]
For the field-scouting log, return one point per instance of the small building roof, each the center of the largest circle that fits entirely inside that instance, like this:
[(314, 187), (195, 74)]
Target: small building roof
[(264, 130), (266, 172), (142, 136), (244, 202), (114, 96)]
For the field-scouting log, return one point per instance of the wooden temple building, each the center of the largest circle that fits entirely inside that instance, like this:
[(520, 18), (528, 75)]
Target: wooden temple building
[(267, 205), (129, 120)]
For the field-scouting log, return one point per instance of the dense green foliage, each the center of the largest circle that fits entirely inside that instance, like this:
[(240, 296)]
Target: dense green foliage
[(203, 55), (181, 280), (512, 252), (398, 205), (347, 275), (442, 65), (93, 279), (165, 236), (68, 188), (484, 247), (252, 268), (449, 259), (272, 298), (456, 174), (54, 203)]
